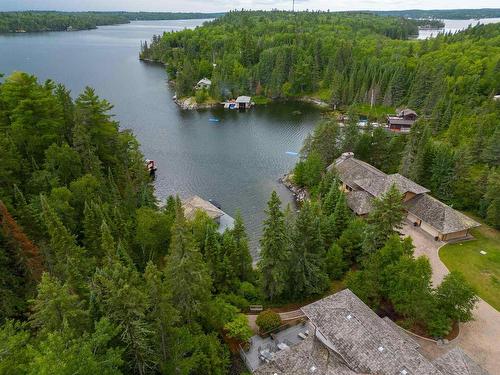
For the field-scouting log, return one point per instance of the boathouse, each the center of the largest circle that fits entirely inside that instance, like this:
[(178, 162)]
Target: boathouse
[(363, 183), (195, 203), (244, 102), (403, 121)]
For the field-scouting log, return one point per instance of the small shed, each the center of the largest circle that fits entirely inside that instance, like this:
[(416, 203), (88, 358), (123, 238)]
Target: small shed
[(203, 83), (497, 98), (244, 102)]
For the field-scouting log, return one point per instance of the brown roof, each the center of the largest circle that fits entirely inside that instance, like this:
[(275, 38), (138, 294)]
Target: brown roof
[(191, 205), (359, 201), (406, 112), (380, 185), (306, 358), (400, 121), (456, 362), (350, 169), (439, 215), (364, 340)]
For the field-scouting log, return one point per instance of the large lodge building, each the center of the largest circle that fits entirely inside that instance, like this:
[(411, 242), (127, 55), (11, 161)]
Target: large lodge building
[(363, 183)]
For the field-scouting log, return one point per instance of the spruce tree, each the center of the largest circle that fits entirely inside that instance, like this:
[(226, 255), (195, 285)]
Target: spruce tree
[(56, 307), (241, 259), (187, 274), (307, 274), (385, 219), (274, 251), (119, 292), (341, 215), (161, 314), (65, 259)]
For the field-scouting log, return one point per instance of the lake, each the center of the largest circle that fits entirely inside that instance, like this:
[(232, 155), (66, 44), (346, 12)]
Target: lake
[(455, 26), (236, 161)]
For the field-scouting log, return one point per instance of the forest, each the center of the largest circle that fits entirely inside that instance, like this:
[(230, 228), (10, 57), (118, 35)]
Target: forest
[(37, 21), (96, 277), (352, 60), (446, 14)]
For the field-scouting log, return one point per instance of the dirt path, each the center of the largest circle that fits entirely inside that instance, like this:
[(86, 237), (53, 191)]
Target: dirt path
[(479, 338)]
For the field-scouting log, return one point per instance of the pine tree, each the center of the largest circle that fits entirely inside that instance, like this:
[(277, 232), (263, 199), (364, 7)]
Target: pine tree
[(119, 292), (187, 274), (93, 218), (56, 307), (161, 314), (341, 215), (385, 219), (66, 260), (241, 259), (330, 201), (307, 275), (274, 251), (26, 252)]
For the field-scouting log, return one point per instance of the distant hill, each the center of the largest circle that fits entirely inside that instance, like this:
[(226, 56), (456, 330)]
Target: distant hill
[(37, 21), (450, 14)]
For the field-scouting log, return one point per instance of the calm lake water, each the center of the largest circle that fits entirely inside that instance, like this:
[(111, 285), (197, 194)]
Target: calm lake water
[(236, 161), (455, 26)]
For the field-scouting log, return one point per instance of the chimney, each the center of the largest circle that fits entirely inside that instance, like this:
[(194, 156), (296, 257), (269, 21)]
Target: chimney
[(344, 156)]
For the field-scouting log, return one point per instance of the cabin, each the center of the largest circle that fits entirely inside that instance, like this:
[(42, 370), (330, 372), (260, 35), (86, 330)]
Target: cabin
[(243, 102), (203, 83), (195, 203), (363, 183), (403, 121)]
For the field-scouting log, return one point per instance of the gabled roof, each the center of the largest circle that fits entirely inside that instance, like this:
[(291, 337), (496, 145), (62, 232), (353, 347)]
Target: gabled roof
[(359, 201), (204, 81), (406, 112), (365, 341), (243, 99), (441, 216), (399, 121), (380, 185), (350, 169), (456, 362), (191, 205)]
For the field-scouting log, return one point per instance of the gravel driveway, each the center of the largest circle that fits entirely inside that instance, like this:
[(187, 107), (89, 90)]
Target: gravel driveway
[(479, 338)]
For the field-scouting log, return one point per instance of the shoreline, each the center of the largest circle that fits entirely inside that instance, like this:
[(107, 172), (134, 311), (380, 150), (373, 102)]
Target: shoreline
[(300, 195)]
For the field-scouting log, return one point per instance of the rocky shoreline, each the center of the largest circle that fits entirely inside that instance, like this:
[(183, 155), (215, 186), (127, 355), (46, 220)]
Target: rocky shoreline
[(191, 104), (300, 195), (317, 102)]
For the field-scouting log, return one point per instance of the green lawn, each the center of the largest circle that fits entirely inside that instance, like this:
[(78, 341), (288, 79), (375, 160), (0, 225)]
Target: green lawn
[(482, 271)]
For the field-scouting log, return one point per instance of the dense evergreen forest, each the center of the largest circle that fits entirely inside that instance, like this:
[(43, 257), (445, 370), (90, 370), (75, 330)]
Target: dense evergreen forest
[(447, 14), (32, 21), (95, 278), (352, 60)]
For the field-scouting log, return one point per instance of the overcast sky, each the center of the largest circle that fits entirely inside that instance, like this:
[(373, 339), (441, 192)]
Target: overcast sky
[(225, 5)]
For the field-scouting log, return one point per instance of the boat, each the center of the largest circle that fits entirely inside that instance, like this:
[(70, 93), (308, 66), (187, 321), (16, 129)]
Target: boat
[(213, 119), (292, 153)]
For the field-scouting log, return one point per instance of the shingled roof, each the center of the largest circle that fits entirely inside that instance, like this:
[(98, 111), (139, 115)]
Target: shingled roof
[(456, 362), (307, 358), (441, 216), (191, 205), (359, 201), (378, 186), (364, 341), (350, 169)]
